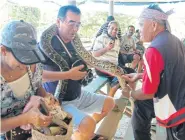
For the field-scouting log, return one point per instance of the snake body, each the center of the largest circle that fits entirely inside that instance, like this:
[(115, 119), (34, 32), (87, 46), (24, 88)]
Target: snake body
[(46, 47), (98, 64)]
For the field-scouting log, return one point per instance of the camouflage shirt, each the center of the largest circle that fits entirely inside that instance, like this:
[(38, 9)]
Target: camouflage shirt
[(12, 105)]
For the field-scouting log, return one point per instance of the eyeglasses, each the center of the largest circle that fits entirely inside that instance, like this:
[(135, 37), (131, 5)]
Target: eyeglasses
[(72, 23)]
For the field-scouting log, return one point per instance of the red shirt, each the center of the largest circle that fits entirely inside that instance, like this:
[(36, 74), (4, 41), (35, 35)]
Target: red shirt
[(153, 66)]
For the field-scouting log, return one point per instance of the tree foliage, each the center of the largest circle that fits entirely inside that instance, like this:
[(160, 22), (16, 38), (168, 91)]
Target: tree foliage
[(91, 22), (28, 14)]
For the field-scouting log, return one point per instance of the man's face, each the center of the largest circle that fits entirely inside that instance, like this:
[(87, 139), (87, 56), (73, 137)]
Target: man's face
[(69, 26), (113, 30), (131, 31), (146, 30)]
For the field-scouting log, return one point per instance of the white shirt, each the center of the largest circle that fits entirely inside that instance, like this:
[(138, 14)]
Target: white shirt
[(20, 86)]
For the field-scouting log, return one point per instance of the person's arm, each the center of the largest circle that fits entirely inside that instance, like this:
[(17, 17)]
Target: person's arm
[(154, 65), (133, 77), (33, 116), (74, 74), (139, 95), (99, 47), (13, 122), (102, 51), (55, 76)]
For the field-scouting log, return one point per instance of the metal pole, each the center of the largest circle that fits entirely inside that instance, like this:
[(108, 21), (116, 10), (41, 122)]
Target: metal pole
[(111, 7), (72, 2)]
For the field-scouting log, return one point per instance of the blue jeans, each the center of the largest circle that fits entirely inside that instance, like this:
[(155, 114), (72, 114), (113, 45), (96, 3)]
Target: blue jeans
[(2, 137)]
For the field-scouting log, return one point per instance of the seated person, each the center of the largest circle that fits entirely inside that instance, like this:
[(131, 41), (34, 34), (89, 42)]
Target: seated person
[(103, 28), (106, 47), (74, 100), (140, 51), (128, 49), (21, 81)]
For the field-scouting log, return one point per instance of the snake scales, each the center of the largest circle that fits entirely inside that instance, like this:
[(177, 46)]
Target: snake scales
[(46, 47), (61, 124)]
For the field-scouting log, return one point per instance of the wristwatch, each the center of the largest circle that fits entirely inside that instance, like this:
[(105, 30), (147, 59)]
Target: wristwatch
[(130, 96)]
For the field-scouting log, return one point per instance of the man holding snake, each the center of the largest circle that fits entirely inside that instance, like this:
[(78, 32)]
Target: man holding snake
[(75, 101), (163, 79)]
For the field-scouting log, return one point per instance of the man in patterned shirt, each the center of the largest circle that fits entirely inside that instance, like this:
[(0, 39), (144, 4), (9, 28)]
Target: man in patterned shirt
[(128, 48)]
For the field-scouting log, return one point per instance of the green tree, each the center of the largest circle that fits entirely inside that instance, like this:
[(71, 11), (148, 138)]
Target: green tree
[(91, 22), (28, 14)]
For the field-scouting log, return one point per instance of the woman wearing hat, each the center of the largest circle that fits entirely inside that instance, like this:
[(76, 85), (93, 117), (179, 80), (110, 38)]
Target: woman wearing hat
[(20, 79)]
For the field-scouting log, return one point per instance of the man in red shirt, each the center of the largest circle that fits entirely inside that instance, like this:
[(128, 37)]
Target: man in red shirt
[(164, 63)]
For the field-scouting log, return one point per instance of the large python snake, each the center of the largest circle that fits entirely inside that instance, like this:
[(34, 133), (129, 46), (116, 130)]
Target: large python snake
[(46, 47)]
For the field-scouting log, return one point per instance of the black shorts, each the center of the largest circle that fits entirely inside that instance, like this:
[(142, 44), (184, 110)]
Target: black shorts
[(125, 58)]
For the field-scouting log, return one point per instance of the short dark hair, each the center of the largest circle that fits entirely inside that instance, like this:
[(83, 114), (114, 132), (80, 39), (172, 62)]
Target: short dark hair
[(110, 18), (132, 26), (64, 9)]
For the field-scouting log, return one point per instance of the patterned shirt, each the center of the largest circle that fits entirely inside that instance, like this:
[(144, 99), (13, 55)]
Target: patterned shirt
[(12, 105), (128, 44)]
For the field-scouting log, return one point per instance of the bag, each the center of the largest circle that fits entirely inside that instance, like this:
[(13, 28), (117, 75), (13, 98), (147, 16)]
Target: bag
[(61, 127), (18, 134)]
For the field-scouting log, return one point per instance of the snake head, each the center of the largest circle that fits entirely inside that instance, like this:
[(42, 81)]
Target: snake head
[(120, 71), (51, 102)]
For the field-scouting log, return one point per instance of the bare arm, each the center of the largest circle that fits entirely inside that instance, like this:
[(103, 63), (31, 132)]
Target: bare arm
[(54, 76), (73, 74), (133, 77), (104, 49), (13, 122), (139, 95), (100, 52)]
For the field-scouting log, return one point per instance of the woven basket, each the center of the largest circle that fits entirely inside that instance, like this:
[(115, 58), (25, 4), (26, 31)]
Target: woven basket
[(36, 135)]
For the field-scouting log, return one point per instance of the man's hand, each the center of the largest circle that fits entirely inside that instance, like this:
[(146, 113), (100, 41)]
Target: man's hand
[(33, 102), (133, 77), (110, 46), (76, 74), (36, 118)]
